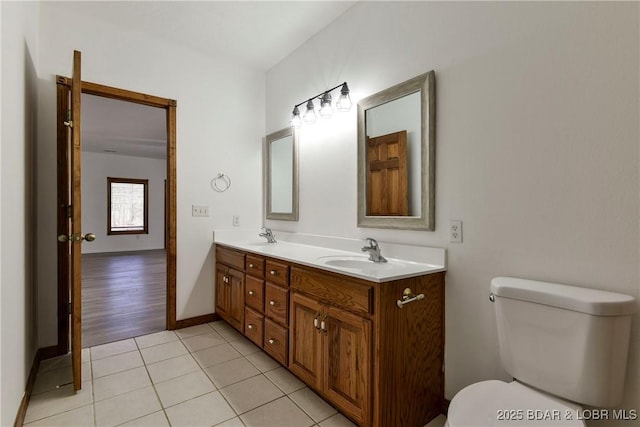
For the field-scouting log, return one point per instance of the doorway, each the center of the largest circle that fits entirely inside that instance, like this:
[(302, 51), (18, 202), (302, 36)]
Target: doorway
[(168, 108)]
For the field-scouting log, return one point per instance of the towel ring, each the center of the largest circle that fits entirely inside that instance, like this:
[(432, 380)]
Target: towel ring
[(221, 183)]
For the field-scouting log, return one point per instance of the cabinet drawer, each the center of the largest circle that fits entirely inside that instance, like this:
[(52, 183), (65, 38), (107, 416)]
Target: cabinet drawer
[(276, 341), (277, 273), (334, 290), (253, 326), (230, 257), (276, 304), (254, 265), (254, 293)]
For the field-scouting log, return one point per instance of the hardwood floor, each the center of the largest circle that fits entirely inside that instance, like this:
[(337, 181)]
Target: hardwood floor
[(123, 295)]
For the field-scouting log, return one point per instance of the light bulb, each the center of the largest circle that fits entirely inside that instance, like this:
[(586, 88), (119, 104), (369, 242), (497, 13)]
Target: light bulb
[(344, 102), (295, 117)]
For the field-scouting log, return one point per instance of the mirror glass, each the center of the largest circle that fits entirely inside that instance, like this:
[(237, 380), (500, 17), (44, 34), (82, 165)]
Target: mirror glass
[(396, 161), (282, 175)]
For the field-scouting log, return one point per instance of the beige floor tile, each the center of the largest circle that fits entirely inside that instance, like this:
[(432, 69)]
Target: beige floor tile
[(245, 346), (312, 404), (233, 422), (156, 339), (118, 363), (214, 355), (126, 407), (55, 363), (49, 379), (338, 420), (262, 361), (163, 351), (206, 410), (85, 356), (58, 401), (279, 413), (119, 383), (250, 393), (157, 419), (285, 380), (193, 331), (172, 368), (86, 371), (200, 342), (227, 331), (178, 390), (233, 371), (113, 348), (80, 417)]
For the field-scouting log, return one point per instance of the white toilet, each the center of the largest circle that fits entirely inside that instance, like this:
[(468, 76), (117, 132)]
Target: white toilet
[(565, 346)]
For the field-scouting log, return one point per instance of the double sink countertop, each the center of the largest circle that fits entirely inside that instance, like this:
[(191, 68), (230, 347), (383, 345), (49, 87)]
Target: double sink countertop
[(339, 255)]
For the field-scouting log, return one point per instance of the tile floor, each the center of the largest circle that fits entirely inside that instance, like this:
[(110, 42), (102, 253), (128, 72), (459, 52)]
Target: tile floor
[(205, 375)]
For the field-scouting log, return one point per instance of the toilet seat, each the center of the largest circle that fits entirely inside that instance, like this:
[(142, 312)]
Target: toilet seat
[(497, 403)]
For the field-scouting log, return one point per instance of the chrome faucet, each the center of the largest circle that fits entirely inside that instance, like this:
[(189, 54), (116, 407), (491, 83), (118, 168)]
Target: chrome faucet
[(268, 234), (374, 250)]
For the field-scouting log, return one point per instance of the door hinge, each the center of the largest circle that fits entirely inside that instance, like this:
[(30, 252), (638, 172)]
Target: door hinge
[(68, 122)]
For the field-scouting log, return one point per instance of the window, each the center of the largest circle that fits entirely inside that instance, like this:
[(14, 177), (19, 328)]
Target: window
[(128, 204)]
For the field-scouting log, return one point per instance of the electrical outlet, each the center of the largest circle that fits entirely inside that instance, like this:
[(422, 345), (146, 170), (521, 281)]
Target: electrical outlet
[(236, 220), (199, 210), (455, 231)]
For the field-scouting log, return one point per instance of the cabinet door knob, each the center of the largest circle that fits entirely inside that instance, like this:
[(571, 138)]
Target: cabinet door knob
[(251, 292), (250, 326), (323, 323), (273, 272), (273, 341), (272, 303), (316, 323)]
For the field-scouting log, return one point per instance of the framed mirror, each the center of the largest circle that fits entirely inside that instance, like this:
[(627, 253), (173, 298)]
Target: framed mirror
[(396, 156), (282, 175)]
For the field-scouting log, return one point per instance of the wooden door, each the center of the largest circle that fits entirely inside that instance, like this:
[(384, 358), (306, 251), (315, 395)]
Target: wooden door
[(387, 175), (236, 297), (347, 363), (305, 342)]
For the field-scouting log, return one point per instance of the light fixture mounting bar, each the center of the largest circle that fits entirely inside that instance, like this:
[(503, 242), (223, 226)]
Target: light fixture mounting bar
[(320, 94)]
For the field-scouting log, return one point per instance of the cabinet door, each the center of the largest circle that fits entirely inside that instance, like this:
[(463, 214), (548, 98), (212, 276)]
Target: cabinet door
[(223, 294), (236, 297), (347, 363), (305, 342)]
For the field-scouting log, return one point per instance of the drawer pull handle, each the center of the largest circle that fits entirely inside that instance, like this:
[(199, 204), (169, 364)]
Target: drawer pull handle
[(251, 266), (272, 303), (251, 292), (250, 326), (273, 272), (273, 341)]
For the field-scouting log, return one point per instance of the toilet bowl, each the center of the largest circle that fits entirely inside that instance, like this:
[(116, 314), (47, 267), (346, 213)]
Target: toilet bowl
[(497, 403), (566, 346)]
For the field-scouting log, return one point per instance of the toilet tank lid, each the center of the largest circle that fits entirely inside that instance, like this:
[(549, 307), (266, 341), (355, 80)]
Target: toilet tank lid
[(585, 300)]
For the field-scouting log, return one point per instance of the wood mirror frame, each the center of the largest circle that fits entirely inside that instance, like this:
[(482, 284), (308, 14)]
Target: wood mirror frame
[(269, 173), (425, 220)]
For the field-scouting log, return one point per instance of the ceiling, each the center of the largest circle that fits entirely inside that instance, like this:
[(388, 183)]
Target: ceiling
[(258, 34)]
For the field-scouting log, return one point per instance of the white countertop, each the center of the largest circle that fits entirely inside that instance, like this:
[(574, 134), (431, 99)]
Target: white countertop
[(355, 264)]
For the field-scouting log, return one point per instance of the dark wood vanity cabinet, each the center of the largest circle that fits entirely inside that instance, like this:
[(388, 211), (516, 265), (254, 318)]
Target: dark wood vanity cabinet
[(230, 287), (347, 338)]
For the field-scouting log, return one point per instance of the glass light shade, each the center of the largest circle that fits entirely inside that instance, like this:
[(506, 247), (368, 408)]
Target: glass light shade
[(295, 118), (309, 115), (344, 103), (326, 109)]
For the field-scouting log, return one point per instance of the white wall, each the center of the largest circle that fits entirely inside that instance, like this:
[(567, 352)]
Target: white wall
[(19, 116), (537, 147), (96, 167), (215, 98)]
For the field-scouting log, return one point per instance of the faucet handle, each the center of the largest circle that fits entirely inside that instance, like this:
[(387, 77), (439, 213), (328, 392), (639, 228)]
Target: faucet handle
[(371, 241)]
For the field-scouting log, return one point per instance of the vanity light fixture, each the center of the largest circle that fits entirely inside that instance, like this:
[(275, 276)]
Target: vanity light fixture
[(326, 107)]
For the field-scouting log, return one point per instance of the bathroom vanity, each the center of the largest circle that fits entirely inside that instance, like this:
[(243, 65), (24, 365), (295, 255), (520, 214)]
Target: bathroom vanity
[(371, 344)]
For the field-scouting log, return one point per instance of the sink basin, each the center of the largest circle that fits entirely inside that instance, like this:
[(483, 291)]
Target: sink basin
[(258, 243), (353, 262)]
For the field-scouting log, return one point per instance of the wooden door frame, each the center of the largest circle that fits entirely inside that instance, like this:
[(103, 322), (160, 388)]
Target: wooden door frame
[(63, 86)]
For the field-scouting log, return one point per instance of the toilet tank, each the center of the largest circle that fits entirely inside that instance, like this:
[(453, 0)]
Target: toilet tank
[(568, 341)]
